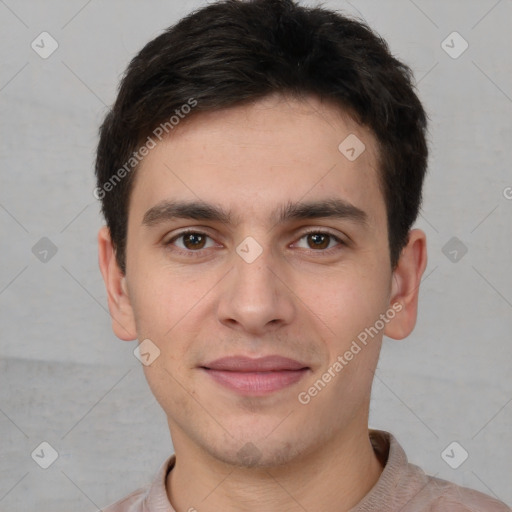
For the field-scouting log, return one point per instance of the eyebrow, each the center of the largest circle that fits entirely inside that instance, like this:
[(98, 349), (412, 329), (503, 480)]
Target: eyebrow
[(199, 210)]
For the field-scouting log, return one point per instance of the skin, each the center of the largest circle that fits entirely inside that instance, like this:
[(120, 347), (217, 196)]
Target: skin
[(295, 300)]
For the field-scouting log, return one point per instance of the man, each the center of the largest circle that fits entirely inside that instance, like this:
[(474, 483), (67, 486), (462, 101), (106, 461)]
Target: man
[(259, 173)]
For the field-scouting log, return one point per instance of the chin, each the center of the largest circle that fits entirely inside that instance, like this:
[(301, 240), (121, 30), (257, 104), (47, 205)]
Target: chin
[(256, 453)]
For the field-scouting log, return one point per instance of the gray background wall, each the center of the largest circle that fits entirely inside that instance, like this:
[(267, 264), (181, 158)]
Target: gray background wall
[(66, 380)]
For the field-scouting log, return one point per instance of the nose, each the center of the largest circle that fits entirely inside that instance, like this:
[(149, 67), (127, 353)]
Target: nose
[(256, 297)]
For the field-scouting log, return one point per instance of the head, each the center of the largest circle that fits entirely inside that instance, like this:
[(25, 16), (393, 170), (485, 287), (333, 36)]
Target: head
[(290, 144)]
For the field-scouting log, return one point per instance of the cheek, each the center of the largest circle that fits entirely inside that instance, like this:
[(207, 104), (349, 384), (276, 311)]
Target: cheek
[(346, 301), (168, 388), (168, 307), (161, 298)]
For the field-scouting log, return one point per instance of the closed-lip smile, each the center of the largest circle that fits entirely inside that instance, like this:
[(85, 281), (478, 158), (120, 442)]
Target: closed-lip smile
[(256, 376)]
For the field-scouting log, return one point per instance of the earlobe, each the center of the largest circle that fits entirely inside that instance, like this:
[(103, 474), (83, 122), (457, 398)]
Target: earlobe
[(405, 285), (121, 312)]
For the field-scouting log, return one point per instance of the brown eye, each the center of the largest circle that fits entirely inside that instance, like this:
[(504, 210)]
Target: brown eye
[(193, 240), (190, 241), (318, 240)]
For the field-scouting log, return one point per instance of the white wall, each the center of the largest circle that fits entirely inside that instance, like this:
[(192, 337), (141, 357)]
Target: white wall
[(67, 380)]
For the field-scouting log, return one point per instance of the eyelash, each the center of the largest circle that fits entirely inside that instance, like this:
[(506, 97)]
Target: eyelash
[(198, 253)]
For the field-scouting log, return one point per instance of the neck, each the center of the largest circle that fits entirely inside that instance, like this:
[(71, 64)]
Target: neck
[(333, 478)]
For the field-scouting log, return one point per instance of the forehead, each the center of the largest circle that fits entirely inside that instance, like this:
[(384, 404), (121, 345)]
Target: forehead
[(256, 157)]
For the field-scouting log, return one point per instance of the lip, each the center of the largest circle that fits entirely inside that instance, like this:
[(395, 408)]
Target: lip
[(256, 376), (270, 363)]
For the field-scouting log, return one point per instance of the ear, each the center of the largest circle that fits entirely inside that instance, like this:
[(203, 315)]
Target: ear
[(123, 319), (405, 285)]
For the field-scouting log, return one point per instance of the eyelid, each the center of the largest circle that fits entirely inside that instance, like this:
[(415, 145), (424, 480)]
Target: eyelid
[(188, 231), (322, 231)]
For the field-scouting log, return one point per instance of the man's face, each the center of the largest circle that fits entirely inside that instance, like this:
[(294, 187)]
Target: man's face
[(317, 284)]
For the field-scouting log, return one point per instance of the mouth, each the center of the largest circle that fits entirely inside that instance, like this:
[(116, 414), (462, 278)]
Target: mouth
[(258, 376)]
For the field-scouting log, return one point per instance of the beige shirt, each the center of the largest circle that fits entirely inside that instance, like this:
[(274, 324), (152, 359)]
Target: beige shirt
[(402, 487)]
